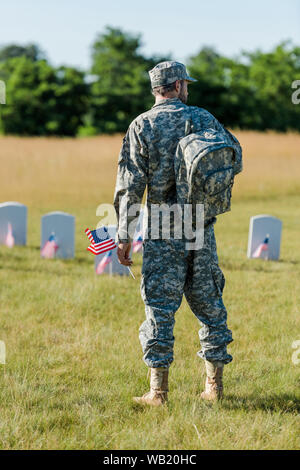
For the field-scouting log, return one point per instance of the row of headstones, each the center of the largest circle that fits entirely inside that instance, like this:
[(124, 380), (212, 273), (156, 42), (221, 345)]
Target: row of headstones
[(63, 225), (13, 215)]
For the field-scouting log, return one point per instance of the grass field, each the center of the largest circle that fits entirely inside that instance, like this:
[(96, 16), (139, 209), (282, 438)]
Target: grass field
[(73, 355)]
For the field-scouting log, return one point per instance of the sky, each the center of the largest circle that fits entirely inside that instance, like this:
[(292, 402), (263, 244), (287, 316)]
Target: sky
[(66, 29)]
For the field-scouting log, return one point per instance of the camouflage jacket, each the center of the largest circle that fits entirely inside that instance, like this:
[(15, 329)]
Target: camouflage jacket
[(147, 157)]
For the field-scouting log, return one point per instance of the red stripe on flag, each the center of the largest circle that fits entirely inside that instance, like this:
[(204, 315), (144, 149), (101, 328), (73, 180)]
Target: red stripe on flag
[(100, 249), (88, 234), (105, 242), (103, 249)]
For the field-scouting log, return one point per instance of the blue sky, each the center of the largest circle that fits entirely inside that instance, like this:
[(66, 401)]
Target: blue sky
[(65, 29)]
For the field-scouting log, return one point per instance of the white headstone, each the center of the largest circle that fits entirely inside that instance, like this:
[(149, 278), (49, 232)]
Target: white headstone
[(62, 225), (114, 267), (15, 214), (260, 227)]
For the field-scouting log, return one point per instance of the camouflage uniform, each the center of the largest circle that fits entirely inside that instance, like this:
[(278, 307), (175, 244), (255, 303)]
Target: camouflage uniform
[(169, 270)]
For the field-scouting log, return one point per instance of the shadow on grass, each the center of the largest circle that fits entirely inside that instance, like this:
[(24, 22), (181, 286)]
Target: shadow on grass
[(265, 266), (83, 260), (289, 261), (10, 257), (142, 408), (76, 260), (285, 403), (246, 267), (46, 267)]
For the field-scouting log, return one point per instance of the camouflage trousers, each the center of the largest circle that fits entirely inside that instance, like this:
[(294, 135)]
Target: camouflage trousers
[(168, 272)]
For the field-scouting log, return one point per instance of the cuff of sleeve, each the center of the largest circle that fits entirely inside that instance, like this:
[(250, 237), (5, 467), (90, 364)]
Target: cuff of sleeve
[(123, 240)]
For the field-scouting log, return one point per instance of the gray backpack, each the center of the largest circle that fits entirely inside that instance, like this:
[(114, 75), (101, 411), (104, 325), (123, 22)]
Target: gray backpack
[(205, 164)]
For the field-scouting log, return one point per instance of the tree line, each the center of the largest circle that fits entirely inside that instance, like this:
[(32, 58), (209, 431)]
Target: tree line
[(252, 91)]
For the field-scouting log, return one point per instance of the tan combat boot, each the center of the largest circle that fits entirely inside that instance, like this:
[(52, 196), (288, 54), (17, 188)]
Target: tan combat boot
[(213, 385), (158, 394)]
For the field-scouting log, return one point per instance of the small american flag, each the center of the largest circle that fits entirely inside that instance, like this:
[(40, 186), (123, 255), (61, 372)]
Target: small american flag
[(100, 241), (104, 262), (9, 240), (262, 247), (137, 243), (50, 247)]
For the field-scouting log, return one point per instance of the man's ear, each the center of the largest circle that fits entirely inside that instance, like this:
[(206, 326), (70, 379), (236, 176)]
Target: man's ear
[(177, 85)]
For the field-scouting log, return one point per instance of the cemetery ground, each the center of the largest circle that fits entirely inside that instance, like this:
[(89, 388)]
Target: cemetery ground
[(73, 355)]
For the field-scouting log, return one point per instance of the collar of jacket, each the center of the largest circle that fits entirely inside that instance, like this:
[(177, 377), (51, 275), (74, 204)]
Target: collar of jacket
[(167, 101)]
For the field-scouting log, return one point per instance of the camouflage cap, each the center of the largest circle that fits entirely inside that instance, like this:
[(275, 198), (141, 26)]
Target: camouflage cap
[(168, 72)]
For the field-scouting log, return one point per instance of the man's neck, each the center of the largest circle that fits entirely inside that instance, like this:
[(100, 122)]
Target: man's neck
[(160, 98)]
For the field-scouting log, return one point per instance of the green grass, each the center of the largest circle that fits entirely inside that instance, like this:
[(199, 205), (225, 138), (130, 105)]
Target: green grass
[(74, 359)]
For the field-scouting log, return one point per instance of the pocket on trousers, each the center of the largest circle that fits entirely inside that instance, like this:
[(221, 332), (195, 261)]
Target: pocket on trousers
[(146, 291), (218, 277), (149, 269)]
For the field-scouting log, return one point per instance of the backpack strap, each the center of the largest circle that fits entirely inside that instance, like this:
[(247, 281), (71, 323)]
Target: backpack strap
[(188, 127), (190, 123)]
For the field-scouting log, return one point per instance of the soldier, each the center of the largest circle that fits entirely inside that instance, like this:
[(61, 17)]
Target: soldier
[(169, 269)]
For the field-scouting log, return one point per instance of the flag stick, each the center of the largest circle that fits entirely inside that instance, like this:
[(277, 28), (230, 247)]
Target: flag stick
[(130, 272)]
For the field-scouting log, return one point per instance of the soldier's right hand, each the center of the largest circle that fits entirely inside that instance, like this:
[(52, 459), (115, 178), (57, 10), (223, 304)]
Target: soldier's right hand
[(123, 254)]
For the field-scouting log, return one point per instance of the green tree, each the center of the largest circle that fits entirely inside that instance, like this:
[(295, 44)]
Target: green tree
[(31, 51), (271, 75), (223, 88), (42, 100), (208, 68), (250, 92), (121, 89)]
